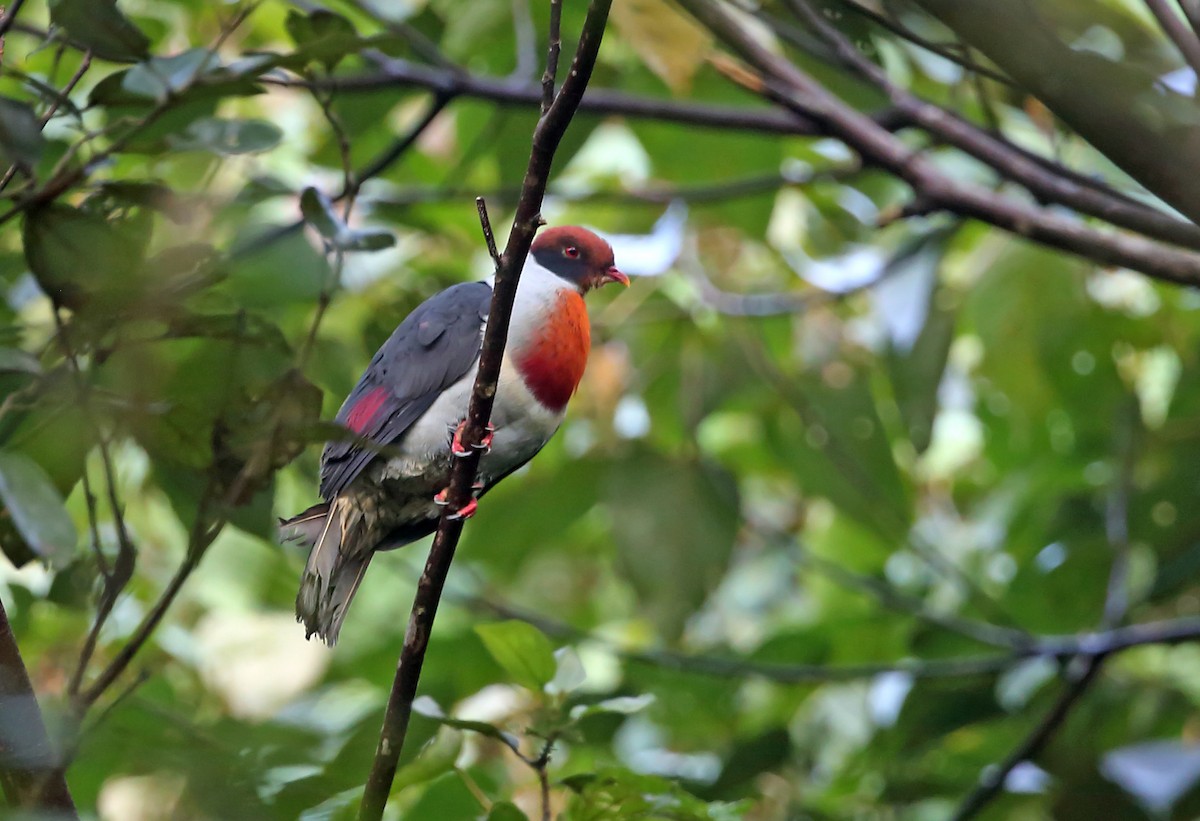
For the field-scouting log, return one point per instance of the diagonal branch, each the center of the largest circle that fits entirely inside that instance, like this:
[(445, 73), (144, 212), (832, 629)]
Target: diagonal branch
[(546, 137), (1001, 155), (1017, 36), (791, 87), (1083, 668), (9, 17), (993, 780)]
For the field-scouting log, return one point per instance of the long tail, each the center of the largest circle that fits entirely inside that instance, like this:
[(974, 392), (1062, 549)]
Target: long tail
[(336, 564)]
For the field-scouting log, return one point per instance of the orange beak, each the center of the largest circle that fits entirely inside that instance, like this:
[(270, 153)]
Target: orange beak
[(614, 275)]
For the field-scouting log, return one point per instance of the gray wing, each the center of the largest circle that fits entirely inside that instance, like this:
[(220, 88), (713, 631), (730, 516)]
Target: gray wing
[(434, 347)]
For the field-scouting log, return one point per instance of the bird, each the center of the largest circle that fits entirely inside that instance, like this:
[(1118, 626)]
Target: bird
[(385, 487)]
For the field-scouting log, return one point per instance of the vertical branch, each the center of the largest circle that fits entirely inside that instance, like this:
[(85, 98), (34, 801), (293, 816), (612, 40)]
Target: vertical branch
[(30, 771), (546, 137)]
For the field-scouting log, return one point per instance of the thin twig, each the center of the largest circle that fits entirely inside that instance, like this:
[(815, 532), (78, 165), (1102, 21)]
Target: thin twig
[(388, 157), (65, 93), (116, 578), (351, 183), (89, 498), (488, 237), (202, 534), (992, 782), (10, 16), (552, 51), (382, 162), (1061, 648), (546, 137)]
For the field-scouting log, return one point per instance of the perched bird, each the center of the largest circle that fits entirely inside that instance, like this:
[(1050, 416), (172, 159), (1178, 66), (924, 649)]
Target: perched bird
[(413, 399)]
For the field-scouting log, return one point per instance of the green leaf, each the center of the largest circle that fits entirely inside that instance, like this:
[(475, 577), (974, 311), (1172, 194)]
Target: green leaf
[(319, 212), (36, 507), (674, 550), (641, 796), (435, 758), (99, 26), (506, 811), (322, 36), (522, 650), (373, 240), (17, 361), (74, 253), (427, 707), (159, 77), (568, 674), (278, 272), (228, 137), (621, 705), (21, 139)]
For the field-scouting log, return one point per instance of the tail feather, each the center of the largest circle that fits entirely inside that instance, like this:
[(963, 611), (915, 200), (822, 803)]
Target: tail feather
[(335, 567)]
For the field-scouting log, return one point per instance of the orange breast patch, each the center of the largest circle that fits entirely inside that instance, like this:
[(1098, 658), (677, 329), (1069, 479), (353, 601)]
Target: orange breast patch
[(553, 360)]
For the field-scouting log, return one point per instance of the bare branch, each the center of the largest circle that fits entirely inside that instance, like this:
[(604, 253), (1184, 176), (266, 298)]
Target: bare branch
[(392, 73), (1048, 183), (787, 84), (1018, 38), (993, 780), (546, 137)]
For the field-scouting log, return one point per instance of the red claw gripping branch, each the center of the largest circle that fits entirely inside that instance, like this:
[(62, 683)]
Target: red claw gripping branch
[(413, 397)]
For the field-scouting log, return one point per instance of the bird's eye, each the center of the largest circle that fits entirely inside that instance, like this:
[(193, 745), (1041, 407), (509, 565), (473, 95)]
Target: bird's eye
[(571, 251)]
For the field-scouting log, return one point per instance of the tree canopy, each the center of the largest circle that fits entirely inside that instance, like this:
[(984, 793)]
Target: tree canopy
[(876, 500)]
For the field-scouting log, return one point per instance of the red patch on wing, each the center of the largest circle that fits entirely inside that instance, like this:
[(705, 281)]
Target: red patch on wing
[(364, 409), (552, 363)]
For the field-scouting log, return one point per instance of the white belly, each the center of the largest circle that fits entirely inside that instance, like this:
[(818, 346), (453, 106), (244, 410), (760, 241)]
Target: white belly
[(523, 425)]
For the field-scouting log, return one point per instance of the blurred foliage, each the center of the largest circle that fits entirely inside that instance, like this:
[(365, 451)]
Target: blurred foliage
[(949, 427)]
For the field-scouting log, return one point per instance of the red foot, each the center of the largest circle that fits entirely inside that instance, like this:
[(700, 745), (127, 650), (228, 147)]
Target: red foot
[(465, 512), (441, 500), (459, 449)]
